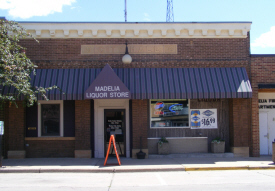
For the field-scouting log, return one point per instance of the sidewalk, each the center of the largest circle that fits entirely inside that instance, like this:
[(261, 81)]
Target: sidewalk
[(154, 163)]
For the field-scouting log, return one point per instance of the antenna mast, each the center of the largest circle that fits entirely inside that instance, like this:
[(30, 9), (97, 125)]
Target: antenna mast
[(125, 11), (169, 11)]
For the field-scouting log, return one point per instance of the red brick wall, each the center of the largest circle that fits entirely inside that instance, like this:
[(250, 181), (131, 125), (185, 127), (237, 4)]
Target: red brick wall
[(240, 123), (140, 123), (38, 149), (65, 53), (82, 125), (262, 72), (6, 129), (188, 48), (15, 126)]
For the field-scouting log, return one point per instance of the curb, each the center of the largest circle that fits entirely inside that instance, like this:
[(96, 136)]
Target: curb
[(19, 170), (261, 168), (150, 170), (110, 170), (230, 168), (115, 170), (216, 168)]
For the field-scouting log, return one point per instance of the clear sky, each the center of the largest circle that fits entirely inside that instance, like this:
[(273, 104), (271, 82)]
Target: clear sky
[(260, 12)]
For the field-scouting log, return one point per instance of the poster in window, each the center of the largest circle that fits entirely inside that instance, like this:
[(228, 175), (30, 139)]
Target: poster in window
[(203, 118)]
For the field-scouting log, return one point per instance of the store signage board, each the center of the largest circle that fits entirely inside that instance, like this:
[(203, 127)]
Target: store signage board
[(1, 127), (203, 119), (107, 85), (266, 103), (133, 49)]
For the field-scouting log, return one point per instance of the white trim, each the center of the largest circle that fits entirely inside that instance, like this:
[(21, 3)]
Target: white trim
[(138, 30), (183, 127), (99, 106), (61, 115)]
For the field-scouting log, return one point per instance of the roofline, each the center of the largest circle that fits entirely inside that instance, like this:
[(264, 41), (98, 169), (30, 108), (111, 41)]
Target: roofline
[(262, 55), (138, 29), (61, 22)]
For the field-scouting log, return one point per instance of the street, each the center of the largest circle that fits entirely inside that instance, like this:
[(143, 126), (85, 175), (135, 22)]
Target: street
[(194, 180)]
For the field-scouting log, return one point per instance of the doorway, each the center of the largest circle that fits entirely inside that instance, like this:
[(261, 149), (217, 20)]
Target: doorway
[(114, 124), (263, 124), (100, 105)]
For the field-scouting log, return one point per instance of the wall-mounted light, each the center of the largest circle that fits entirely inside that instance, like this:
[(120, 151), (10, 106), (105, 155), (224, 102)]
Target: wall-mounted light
[(126, 59)]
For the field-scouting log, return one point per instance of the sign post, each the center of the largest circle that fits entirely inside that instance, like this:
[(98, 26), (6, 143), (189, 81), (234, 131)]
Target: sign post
[(1, 133)]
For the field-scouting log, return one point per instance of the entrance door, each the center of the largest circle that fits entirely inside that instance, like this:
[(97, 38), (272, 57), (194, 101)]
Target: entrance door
[(114, 124), (263, 124)]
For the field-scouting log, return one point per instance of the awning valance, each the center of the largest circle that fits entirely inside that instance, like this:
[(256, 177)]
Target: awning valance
[(150, 83)]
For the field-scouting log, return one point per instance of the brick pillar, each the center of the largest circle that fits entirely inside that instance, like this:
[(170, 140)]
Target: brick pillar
[(255, 142), (83, 129), (140, 126), (15, 126), (240, 126)]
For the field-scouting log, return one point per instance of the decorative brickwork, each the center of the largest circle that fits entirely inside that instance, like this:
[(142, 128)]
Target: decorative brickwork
[(140, 123), (82, 125)]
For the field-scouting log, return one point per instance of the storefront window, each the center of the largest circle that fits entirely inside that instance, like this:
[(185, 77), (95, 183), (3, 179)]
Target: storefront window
[(169, 113), (50, 118)]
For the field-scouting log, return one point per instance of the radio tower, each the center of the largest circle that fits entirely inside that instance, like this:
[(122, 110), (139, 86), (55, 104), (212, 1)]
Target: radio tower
[(169, 11), (125, 11)]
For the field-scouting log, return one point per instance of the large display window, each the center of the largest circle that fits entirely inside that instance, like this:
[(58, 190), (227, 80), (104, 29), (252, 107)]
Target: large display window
[(50, 118), (169, 113)]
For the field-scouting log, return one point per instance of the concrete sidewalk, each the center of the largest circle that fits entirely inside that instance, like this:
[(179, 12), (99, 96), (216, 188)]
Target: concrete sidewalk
[(154, 163)]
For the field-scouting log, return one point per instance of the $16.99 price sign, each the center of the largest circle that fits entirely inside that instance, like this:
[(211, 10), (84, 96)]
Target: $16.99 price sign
[(203, 118)]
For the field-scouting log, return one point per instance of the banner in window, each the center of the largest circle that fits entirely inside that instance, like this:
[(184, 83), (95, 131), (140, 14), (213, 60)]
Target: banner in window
[(203, 119)]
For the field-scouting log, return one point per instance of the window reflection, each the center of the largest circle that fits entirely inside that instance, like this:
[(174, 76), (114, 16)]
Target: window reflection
[(169, 113)]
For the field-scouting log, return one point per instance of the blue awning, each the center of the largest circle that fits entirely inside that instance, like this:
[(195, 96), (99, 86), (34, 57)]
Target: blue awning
[(149, 83)]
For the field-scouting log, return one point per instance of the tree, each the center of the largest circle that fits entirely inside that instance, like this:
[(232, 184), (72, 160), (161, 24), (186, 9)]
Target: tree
[(15, 66)]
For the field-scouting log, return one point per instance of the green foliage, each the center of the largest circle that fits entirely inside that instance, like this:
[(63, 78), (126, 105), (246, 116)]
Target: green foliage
[(162, 140), (15, 66), (217, 140)]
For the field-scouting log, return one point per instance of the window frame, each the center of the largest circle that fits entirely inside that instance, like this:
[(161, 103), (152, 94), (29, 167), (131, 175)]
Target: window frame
[(183, 127), (61, 125)]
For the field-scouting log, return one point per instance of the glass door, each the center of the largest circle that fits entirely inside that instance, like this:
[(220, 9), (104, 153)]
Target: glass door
[(114, 124)]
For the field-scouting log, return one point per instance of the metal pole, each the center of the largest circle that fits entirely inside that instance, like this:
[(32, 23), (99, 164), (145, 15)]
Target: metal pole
[(125, 10)]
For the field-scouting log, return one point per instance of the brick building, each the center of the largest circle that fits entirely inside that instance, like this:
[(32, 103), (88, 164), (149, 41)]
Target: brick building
[(188, 82)]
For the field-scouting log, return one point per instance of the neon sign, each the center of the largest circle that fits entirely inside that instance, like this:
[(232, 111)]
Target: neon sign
[(176, 107), (159, 105)]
